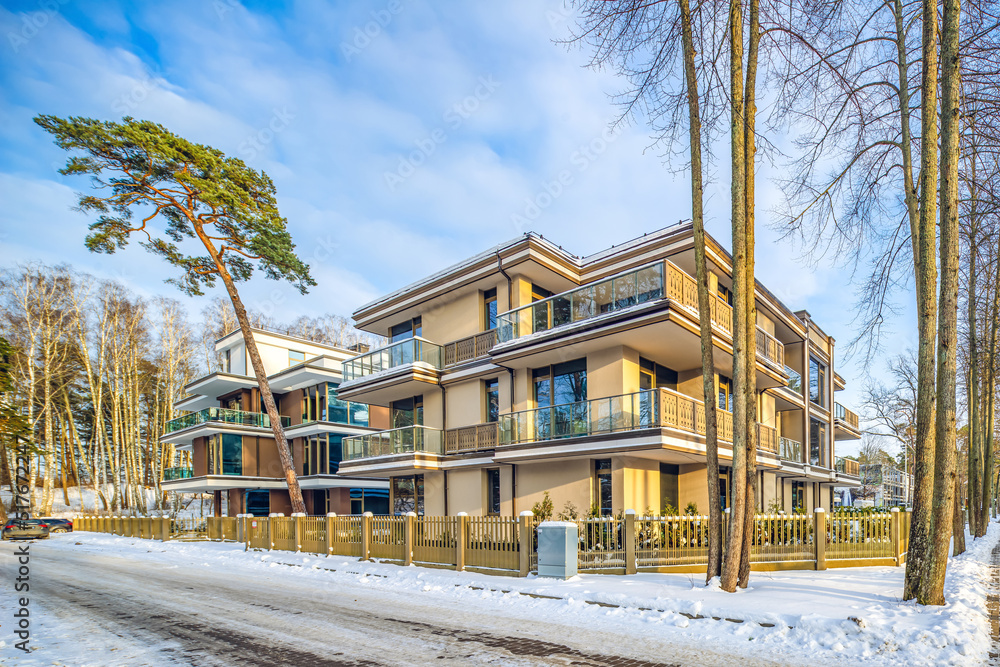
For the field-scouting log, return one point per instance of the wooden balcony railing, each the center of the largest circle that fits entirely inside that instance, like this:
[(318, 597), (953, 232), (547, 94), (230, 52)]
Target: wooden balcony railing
[(848, 466), (475, 438), (770, 348), (843, 414), (767, 439), (467, 349)]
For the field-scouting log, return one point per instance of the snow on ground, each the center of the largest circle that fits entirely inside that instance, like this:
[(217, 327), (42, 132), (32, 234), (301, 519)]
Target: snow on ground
[(811, 612)]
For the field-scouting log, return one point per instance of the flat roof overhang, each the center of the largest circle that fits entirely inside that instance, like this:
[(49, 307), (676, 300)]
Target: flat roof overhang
[(303, 375), (340, 482), (220, 384), (315, 428), (390, 385), (185, 437), (222, 483), (196, 403), (660, 330), (410, 463), (844, 431)]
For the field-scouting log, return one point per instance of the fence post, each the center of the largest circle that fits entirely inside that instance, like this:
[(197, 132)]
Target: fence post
[(525, 543), (895, 532), (463, 532), (297, 517), (819, 537), (629, 539), (409, 522), (366, 535), (165, 528), (329, 532)]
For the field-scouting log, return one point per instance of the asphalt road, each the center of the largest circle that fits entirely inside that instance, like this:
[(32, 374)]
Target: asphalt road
[(124, 610)]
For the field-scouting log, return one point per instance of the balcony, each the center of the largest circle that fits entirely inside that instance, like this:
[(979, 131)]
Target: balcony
[(406, 440), (470, 348), (404, 353), (790, 450), (224, 416), (180, 472), (847, 467), (846, 423), (651, 408), (770, 349), (478, 438), (393, 372)]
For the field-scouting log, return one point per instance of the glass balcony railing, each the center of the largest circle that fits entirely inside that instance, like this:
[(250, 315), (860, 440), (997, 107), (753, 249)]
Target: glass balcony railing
[(180, 472), (403, 353), (794, 380), (584, 303), (224, 415), (396, 441), (651, 408), (790, 450)]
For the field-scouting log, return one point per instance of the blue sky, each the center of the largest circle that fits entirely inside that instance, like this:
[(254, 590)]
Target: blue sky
[(402, 137)]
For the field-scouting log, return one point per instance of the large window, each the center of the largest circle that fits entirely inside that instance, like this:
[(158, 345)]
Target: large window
[(653, 375), (225, 454), (669, 477), (798, 495), (817, 382), (493, 491), (407, 329), (375, 501), (561, 387), (602, 479), (490, 309), (492, 401), (725, 393), (408, 494), (817, 443), (323, 454), (408, 412)]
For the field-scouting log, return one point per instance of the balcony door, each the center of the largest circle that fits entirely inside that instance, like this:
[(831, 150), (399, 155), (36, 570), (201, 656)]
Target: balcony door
[(563, 389)]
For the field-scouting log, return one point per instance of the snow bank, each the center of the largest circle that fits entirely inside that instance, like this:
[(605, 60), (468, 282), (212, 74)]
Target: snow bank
[(836, 617)]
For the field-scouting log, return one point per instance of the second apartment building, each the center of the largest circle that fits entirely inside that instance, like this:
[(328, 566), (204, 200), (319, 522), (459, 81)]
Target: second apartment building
[(526, 370)]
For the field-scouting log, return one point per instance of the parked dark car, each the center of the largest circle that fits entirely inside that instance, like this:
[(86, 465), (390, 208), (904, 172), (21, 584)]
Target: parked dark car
[(58, 525), (25, 529)]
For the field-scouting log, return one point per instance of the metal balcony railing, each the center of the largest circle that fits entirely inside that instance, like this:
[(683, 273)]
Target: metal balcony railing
[(225, 416), (403, 353), (396, 441)]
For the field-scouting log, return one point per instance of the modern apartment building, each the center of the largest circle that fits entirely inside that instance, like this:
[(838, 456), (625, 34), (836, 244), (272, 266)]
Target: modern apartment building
[(885, 485), (526, 370), (232, 447)]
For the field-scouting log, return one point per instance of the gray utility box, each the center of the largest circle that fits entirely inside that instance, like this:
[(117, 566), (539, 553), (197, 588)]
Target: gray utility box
[(557, 545)]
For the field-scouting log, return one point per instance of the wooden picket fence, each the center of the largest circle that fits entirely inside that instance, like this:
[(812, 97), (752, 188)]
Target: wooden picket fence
[(508, 545)]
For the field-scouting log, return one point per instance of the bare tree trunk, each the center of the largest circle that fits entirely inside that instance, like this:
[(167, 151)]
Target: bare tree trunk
[(284, 453), (704, 301), (957, 527), (749, 388), (931, 589), (741, 356), (919, 553)]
